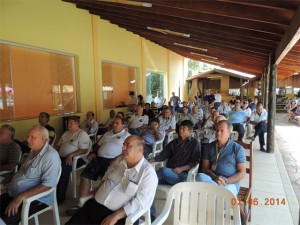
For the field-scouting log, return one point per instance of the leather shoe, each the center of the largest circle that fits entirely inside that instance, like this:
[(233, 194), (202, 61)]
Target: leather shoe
[(262, 149)]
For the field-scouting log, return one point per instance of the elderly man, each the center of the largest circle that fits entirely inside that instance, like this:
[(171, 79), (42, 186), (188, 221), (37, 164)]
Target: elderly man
[(72, 143), (107, 149), (128, 186), (90, 125), (237, 117), (138, 121), (223, 160), (9, 151), (259, 120), (167, 123), (37, 174)]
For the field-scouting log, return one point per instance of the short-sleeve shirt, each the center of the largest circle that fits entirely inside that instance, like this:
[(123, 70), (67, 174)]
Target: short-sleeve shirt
[(111, 144), (138, 121), (237, 117), (167, 123), (149, 136), (94, 126), (159, 101), (224, 110), (71, 142), (229, 156), (257, 118), (40, 170)]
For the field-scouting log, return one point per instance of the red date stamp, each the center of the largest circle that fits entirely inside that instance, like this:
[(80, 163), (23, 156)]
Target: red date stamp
[(257, 201)]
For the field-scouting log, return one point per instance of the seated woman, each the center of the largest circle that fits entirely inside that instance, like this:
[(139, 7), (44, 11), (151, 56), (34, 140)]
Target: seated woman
[(292, 109)]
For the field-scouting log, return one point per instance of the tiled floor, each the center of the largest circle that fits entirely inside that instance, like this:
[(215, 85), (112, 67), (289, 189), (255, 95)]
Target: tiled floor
[(270, 181)]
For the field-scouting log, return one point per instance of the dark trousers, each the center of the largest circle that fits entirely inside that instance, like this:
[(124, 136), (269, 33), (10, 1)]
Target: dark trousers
[(92, 213), (260, 130), (63, 182), (239, 128), (5, 199)]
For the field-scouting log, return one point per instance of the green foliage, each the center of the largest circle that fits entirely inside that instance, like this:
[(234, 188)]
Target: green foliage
[(200, 67), (154, 83)]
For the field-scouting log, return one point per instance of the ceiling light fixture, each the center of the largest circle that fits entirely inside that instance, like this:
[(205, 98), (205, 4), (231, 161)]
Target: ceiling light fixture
[(210, 61), (190, 46), (127, 2), (165, 31), (207, 56)]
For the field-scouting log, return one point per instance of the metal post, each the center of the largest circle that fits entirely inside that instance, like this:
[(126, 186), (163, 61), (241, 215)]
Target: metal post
[(271, 108)]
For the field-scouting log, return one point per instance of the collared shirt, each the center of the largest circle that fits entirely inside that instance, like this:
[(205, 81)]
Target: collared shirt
[(159, 101), (167, 123), (9, 153), (181, 153), (224, 110), (237, 117), (149, 136), (228, 158), (111, 144), (92, 130), (42, 169), (198, 116), (174, 100), (138, 121), (130, 188), (257, 118), (71, 142), (248, 111), (218, 97), (181, 117)]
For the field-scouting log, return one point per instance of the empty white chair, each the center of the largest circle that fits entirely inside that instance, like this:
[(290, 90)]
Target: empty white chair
[(74, 168), (53, 141), (198, 203), (26, 205)]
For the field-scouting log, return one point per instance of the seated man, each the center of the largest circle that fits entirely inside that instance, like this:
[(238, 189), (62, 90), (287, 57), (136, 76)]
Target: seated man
[(167, 123), (103, 128), (37, 174), (148, 111), (223, 160), (127, 187), (183, 116), (185, 104), (90, 125), (138, 121), (197, 115), (44, 121), (152, 134), (72, 143), (9, 150), (181, 154), (224, 109), (107, 149), (259, 120), (237, 117)]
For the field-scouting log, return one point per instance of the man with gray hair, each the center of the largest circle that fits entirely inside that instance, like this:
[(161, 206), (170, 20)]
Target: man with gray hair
[(223, 160), (37, 174), (9, 150)]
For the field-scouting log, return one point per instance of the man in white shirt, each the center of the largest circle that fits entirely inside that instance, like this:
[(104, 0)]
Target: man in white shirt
[(128, 186), (138, 121), (90, 125), (107, 149), (72, 143), (167, 122), (218, 99), (160, 101)]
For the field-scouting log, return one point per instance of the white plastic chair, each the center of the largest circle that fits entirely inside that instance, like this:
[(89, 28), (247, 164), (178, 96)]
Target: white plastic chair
[(191, 177), (198, 203), (74, 168), (170, 136), (94, 135), (26, 205), (234, 135), (129, 219), (53, 141), (157, 147)]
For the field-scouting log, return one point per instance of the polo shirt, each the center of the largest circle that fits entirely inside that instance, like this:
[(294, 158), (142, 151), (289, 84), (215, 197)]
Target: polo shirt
[(237, 117), (138, 121), (257, 118), (167, 123), (229, 156), (149, 136), (42, 169)]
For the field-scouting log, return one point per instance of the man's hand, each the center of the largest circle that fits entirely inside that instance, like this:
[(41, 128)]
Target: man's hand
[(177, 170), (220, 181), (69, 160), (92, 156), (110, 220), (13, 206)]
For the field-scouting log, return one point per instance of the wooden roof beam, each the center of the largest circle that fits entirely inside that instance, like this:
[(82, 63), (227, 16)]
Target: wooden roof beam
[(290, 38)]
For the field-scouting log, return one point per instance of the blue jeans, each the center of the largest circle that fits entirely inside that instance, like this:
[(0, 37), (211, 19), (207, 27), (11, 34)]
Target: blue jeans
[(202, 177), (167, 176)]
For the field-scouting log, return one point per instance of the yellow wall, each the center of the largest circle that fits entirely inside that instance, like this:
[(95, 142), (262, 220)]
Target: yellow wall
[(176, 75), (60, 26)]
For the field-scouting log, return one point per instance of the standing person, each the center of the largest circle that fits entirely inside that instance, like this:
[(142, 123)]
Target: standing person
[(72, 143), (160, 101), (248, 112), (218, 99), (128, 186), (175, 100), (44, 119), (140, 100), (90, 125), (223, 160), (237, 117), (133, 100), (9, 150), (259, 120), (37, 174)]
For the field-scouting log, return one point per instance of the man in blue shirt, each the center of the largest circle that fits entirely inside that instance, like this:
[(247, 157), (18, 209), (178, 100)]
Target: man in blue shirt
[(223, 160), (237, 117), (37, 174)]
